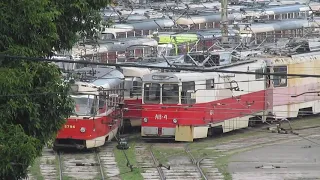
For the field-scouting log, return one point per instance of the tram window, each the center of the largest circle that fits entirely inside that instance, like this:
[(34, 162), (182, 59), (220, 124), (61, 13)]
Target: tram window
[(259, 76), (268, 79), (203, 26), (136, 87), (152, 93), (102, 101), (210, 84), (185, 95), (280, 81), (170, 93), (127, 86), (106, 36), (131, 53), (121, 35), (83, 105), (94, 107)]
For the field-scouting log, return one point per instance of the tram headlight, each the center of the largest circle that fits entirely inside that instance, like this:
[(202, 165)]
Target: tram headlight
[(82, 129), (145, 120), (175, 121)]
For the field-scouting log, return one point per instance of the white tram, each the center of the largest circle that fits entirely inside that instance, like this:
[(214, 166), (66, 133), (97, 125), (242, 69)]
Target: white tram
[(271, 31), (114, 51)]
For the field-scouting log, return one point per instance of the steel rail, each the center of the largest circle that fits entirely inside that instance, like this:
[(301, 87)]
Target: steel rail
[(159, 169), (100, 166), (60, 166), (194, 161)]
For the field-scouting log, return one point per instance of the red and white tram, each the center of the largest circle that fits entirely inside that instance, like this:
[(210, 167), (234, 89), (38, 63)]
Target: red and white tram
[(132, 95), (133, 89), (97, 116), (190, 105)]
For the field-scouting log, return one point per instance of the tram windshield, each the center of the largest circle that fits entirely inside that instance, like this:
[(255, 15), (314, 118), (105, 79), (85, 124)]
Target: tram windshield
[(152, 93), (84, 105), (170, 93)]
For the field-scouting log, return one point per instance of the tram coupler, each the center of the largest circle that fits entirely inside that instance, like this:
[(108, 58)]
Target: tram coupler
[(80, 147)]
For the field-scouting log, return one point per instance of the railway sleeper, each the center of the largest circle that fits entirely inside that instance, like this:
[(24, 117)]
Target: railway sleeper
[(87, 164)]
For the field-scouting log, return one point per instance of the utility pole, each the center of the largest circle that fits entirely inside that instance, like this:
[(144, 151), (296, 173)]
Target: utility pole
[(224, 21)]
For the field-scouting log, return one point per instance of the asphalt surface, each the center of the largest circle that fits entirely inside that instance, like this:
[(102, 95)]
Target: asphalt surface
[(299, 159)]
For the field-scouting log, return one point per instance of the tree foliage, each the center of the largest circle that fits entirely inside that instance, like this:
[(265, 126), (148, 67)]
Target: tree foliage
[(17, 151), (34, 101), (34, 27)]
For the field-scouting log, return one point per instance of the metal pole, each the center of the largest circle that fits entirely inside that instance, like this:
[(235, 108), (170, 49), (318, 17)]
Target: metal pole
[(224, 21)]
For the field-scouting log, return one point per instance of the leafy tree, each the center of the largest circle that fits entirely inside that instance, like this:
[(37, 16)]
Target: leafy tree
[(34, 102), (14, 160)]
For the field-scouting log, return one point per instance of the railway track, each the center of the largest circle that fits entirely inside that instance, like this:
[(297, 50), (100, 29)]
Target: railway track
[(180, 165), (148, 163), (196, 162), (48, 164), (80, 165), (159, 168), (108, 162)]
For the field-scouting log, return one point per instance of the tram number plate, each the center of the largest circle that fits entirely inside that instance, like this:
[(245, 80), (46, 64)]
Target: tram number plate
[(69, 126), (160, 116)]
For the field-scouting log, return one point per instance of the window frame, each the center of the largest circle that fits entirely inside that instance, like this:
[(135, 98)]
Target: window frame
[(274, 77), (184, 95), (259, 76), (144, 93), (210, 84), (162, 90)]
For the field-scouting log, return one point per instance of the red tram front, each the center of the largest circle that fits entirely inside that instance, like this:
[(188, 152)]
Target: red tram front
[(97, 116)]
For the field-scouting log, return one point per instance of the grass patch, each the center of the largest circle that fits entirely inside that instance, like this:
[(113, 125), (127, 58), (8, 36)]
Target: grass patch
[(125, 172), (222, 165), (303, 123), (66, 178), (225, 138), (35, 169)]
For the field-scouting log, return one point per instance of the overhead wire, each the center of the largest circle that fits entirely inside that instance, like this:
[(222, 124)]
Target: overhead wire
[(152, 67), (129, 98)]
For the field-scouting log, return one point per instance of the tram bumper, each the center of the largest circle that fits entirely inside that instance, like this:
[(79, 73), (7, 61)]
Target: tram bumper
[(69, 143), (158, 132)]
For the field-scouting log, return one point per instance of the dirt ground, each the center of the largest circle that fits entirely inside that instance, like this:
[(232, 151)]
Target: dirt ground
[(297, 159)]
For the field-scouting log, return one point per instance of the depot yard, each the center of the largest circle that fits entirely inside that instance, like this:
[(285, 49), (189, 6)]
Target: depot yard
[(252, 153)]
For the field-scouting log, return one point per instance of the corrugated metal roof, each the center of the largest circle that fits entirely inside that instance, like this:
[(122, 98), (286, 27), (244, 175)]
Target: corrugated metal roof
[(278, 26), (152, 24)]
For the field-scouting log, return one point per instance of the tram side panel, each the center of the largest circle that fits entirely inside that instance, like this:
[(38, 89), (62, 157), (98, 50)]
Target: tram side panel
[(293, 95), (133, 114)]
